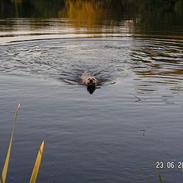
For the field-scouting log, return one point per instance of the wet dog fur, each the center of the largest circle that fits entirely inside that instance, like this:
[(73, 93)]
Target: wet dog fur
[(89, 81)]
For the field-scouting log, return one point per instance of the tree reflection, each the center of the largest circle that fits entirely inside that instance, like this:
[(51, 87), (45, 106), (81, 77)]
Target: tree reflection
[(92, 13), (84, 13), (89, 13)]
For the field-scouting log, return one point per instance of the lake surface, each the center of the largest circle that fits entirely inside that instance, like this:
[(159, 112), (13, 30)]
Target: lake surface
[(118, 133)]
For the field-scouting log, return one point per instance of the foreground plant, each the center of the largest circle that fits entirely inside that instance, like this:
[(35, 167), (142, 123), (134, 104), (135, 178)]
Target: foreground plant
[(6, 163), (159, 176), (37, 164)]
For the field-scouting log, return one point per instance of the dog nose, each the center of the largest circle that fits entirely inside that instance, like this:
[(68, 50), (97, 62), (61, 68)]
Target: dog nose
[(91, 81)]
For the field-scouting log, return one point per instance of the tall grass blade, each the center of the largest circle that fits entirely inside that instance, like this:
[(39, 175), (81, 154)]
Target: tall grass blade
[(6, 163), (37, 164), (159, 176)]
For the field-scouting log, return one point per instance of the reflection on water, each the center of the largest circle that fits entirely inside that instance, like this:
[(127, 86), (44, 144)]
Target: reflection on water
[(84, 13), (146, 15), (158, 64), (156, 59), (134, 48), (153, 63), (88, 19), (30, 29), (123, 34), (93, 14), (91, 89)]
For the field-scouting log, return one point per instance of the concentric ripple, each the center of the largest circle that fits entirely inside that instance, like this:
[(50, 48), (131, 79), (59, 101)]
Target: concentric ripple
[(152, 63), (65, 60), (158, 63)]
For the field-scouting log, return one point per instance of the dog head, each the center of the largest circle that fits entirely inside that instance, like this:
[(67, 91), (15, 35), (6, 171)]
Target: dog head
[(91, 81)]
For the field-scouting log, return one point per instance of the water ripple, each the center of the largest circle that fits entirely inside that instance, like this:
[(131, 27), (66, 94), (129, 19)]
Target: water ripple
[(63, 60), (152, 64)]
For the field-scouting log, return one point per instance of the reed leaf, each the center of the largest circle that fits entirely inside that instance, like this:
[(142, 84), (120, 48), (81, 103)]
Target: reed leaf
[(6, 163), (37, 164), (159, 176)]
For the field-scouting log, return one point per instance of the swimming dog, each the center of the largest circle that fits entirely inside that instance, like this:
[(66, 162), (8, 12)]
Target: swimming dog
[(90, 81)]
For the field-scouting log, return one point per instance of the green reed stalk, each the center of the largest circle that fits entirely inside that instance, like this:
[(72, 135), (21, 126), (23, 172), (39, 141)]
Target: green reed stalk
[(37, 164), (6, 163), (159, 176)]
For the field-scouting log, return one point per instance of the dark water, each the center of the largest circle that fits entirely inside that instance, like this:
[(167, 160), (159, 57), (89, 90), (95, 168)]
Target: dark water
[(133, 120)]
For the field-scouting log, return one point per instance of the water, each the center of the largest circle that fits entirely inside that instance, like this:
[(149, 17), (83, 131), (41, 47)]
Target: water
[(133, 120)]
